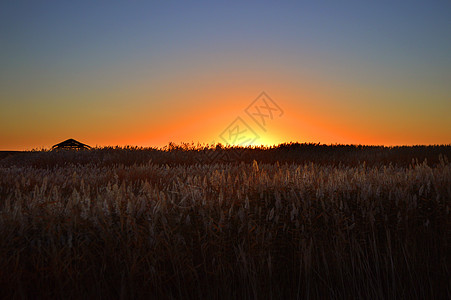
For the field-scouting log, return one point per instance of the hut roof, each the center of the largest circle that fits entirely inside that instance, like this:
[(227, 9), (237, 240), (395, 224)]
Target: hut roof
[(70, 144)]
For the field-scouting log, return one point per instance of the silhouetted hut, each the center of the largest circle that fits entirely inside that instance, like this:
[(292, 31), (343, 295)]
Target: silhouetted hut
[(71, 144)]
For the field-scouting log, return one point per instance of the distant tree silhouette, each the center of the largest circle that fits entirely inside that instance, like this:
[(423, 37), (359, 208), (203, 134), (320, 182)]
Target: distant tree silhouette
[(71, 144)]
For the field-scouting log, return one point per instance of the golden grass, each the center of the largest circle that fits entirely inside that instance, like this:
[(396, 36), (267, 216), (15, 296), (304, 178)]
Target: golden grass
[(248, 230)]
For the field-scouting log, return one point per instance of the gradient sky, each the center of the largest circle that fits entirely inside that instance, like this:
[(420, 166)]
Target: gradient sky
[(146, 72)]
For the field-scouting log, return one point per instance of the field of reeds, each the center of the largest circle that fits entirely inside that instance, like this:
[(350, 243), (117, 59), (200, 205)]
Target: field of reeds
[(297, 221)]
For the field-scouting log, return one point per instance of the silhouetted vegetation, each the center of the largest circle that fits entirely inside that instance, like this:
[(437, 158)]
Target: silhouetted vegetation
[(207, 222), (188, 154)]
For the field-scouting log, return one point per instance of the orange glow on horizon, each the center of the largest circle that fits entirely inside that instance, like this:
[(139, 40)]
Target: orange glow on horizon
[(310, 114)]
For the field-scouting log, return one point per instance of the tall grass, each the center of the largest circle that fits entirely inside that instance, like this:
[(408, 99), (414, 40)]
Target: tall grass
[(248, 230)]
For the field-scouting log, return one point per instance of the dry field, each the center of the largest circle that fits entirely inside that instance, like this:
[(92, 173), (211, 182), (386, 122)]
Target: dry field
[(292, 222)]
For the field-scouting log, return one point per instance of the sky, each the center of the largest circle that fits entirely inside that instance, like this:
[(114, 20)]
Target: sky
[(147, 73)]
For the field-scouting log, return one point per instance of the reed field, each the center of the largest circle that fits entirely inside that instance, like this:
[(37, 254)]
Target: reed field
[(296, 221)]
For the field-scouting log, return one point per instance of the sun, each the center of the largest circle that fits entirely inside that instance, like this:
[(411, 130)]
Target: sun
[(265, 140)]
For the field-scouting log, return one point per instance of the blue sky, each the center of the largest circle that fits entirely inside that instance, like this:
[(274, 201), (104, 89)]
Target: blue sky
[(59, 55)]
